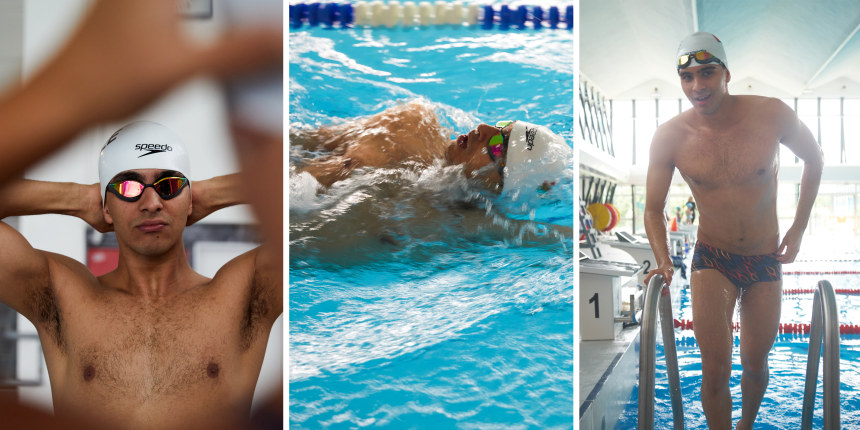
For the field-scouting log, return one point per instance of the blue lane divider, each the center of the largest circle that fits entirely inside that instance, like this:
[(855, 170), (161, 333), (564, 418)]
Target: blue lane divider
[(409, 14)]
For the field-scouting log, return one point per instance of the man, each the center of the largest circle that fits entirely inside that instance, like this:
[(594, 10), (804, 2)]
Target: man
[(726, 148), (510, 156), (152, 344)]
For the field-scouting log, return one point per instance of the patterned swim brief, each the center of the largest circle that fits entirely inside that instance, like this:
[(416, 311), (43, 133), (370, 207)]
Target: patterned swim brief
[(741, 270)]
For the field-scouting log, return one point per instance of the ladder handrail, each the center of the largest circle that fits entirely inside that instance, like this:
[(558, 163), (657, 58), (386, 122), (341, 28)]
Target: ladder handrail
[(826, 314), (657, 295)]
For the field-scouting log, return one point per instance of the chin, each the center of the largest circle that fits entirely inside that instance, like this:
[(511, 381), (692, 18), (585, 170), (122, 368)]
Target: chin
[(448, 156), (154, 249)]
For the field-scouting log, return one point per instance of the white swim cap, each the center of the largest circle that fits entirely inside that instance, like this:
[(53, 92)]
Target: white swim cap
[(142, 145), (536, 159), (701, 41)]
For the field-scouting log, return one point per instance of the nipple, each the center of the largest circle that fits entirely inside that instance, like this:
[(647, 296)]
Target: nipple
[(212, 370), (89, 373)]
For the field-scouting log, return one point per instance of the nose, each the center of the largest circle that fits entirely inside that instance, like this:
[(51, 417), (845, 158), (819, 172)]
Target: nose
[(698, 83), (150, 200), (486, 131)]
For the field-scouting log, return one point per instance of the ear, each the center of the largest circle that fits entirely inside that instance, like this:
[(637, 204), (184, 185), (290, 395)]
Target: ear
[(728, 75), (106, 212)]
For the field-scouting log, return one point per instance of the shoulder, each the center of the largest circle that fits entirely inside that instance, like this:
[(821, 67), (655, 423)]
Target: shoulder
[(68, 265), (768, 106), (238, 269), (251, 269), (671, 131)]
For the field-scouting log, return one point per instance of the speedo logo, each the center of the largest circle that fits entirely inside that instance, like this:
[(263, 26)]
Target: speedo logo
[(530, 137), (152, 148)]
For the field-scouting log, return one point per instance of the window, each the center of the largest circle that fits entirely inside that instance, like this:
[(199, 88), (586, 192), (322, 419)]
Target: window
[(646, 125), (622, 130), (851, 110)]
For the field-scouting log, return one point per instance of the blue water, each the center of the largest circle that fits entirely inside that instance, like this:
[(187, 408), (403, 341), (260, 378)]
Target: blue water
[(416, 301), (781, 408)]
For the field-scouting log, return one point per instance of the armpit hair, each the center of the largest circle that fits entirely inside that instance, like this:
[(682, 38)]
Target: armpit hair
[(46, 312), (259, 307)]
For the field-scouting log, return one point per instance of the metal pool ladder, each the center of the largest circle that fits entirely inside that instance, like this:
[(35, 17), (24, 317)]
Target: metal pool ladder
[(824, 302), (656, 296), (824, 316)]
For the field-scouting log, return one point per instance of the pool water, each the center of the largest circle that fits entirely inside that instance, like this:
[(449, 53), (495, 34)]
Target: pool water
[(782, 405), (415, 300)]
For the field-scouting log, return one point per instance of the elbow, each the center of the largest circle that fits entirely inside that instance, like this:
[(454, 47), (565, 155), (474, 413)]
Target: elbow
[(816, 163)]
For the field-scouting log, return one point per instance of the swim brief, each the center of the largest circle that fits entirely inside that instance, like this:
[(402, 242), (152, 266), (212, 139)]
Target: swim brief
[(741, 270)]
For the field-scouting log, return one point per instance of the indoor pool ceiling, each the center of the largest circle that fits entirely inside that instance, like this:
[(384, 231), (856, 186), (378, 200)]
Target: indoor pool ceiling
[(779, 48)]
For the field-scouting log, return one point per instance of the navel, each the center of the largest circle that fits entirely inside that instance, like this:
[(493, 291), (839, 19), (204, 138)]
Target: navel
[(89, 373), (761, 172), (212, 370)]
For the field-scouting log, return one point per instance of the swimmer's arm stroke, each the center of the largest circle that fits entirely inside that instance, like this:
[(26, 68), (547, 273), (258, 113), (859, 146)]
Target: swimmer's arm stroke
[(113, 65), (797, 137), (661, 167)]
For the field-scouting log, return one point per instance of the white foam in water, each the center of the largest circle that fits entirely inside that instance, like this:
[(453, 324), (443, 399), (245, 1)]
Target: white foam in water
[(398, 318), (303, 193)]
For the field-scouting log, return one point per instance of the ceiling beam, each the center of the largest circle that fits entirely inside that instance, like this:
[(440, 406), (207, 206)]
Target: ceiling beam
[(695, 11), (832, 56)]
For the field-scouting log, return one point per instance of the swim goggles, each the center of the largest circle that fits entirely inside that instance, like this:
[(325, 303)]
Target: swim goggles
[(498, 142), (131, 190), (702, 57)]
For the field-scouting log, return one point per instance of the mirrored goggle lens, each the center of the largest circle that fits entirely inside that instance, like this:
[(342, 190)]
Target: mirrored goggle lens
[(128, 189), (497, 141), (495, 144), (700, 56), (169, 187)]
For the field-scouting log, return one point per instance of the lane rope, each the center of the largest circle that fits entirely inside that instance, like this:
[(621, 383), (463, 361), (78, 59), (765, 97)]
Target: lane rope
[(424, 14)]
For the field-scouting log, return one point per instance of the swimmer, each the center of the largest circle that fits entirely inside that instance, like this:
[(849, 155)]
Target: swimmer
[(726, 148), (509, 155), (152, 344)]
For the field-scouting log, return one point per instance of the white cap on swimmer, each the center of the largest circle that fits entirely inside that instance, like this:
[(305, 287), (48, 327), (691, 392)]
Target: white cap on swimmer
[(701, 41), (142, 145), (536, 158)]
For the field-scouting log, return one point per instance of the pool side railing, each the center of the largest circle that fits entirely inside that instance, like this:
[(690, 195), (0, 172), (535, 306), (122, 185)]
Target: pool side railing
[(658, 296), (825, 324)]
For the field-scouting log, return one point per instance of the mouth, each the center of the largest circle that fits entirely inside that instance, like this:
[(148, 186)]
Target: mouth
[(701, 99), (151, 226), (463, 141)]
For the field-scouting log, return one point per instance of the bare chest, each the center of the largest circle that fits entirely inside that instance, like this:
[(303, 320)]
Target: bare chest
[(149, 351), (744, 156)]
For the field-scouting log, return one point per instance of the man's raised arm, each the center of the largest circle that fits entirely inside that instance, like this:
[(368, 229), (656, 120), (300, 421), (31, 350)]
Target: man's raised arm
[(23, 269)]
